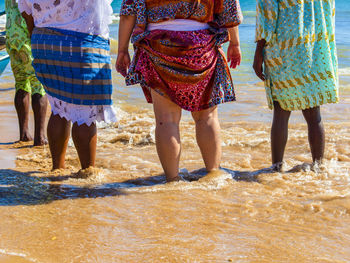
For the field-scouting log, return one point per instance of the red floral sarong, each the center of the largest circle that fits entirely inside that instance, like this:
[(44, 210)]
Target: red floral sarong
[(188, 67)]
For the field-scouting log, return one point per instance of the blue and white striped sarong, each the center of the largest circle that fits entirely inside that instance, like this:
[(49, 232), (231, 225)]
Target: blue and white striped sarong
[(73, 67)]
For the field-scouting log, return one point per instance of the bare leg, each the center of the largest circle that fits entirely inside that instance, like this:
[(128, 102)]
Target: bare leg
[(58, 131), (168, 144), (85, 141), (279, 133), (39, 105), (22, 102), (208, 136), (315, 132)]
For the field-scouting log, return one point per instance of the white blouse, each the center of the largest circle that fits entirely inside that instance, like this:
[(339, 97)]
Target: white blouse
[(86, 16)]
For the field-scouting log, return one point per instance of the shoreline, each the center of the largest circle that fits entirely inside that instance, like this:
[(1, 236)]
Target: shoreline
[(9, 132)]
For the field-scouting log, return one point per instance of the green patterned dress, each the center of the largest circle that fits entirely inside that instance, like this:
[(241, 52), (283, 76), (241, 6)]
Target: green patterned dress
[(300, 58), (19, 49)]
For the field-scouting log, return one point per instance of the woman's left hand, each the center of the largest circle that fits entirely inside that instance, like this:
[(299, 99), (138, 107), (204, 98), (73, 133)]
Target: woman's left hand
[(123, 62), (234, 55)]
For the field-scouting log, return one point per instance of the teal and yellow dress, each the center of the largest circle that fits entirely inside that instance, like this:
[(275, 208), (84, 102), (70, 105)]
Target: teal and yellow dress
[(300, 57), (19, 49)]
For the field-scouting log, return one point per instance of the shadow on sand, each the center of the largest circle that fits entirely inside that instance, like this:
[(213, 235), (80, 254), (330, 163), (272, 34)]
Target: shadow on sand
[(17, 145), (18, 188), (8, 143), (25, 188), (6, 89)]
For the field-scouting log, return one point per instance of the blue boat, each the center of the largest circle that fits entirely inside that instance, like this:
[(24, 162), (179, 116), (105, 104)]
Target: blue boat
[(4, 60), (4, 57)]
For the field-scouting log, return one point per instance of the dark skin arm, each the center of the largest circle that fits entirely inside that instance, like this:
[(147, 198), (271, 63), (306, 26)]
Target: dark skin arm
[(29, 21), (259, 59)]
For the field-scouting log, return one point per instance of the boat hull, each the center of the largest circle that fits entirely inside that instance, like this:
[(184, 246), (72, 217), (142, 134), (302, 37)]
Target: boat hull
[(4, 60)]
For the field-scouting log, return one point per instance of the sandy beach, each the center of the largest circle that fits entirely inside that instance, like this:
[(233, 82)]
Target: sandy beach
[(123, 211)]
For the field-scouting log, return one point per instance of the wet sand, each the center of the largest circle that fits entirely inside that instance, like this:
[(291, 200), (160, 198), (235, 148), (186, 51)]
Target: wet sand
[(9, 134)]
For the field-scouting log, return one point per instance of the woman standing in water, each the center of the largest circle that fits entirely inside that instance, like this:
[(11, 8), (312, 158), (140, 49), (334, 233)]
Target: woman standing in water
[(27, 85), (179, 64), (71, 59), (296, 44)]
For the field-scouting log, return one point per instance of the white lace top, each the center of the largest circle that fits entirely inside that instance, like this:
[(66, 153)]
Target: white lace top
[(87, 16)]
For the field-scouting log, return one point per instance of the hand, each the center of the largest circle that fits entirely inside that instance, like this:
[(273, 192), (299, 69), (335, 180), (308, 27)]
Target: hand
[(234, 55), (258, 64), (123, 62)]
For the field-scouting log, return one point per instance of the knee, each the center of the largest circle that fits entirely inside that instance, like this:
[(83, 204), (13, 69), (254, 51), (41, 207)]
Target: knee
[(281, 116), (312, 116), (206, 116), (84, 131), (21, 96), (167, 118), (38, 99)]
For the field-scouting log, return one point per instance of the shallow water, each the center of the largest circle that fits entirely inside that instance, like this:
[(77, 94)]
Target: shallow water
[(123, 211)]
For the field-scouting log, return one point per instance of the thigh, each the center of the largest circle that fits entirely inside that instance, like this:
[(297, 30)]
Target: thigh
[(21, 64), (279, 113), (164, 109), (36, 86), (313, 114)]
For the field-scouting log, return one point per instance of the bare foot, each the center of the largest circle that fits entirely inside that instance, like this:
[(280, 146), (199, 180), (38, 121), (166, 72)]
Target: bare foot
[(176, 179), (277, 167), (25, 137), (316, 167), (40, 141), (87, 172), (214, 175)]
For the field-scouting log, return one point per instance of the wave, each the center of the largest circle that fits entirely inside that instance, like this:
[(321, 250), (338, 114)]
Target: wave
[(2, 20), (16, 255), (115, 17), (249, 13), (344, 71)]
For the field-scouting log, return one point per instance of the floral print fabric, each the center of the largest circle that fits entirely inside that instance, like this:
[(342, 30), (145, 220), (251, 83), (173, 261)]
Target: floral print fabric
[(219, 13), (187, 67), (18, 47), (300, 57)]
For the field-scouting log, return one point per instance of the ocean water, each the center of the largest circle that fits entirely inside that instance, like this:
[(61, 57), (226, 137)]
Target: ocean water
[(247, 28), (123, 211), (244, 77)]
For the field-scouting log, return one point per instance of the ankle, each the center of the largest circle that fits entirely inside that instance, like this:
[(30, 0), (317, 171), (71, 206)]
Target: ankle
[(177, 178), (277, 167)]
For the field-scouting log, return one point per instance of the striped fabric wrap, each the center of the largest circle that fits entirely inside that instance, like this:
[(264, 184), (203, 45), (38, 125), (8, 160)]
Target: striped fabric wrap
[(73, 67)]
